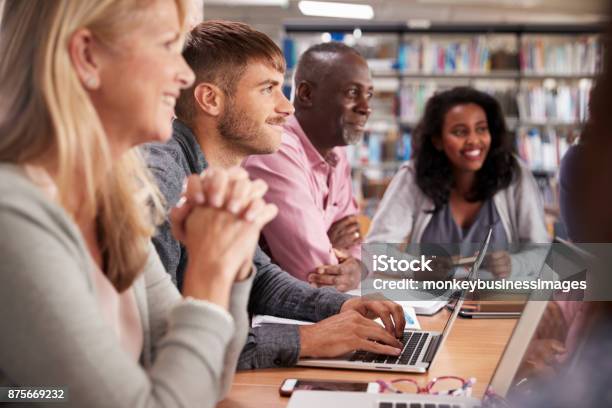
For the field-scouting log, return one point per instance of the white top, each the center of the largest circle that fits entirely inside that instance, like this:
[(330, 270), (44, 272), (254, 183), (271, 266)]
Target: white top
[(404, 212)]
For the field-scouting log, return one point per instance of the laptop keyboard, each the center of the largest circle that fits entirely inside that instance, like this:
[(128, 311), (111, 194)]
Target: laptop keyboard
[(413, 342), (415, 405)]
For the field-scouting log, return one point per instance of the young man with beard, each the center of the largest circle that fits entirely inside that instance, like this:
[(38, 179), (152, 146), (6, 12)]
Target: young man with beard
[(315, 236), (236, 108)]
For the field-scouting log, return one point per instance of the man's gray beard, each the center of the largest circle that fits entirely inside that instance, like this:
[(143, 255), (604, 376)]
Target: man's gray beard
[(350, 137)]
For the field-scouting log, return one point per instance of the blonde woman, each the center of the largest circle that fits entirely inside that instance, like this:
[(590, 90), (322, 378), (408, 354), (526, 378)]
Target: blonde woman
[(84, 301)]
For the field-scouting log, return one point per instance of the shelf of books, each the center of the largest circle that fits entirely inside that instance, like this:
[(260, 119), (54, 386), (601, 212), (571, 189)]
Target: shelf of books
[(541, 75)]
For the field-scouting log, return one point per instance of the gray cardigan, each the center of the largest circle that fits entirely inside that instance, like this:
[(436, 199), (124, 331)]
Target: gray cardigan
[(53, 332), (274, 291), (405, 212)]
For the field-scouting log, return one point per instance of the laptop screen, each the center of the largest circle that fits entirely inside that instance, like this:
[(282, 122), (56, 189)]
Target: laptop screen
[(551, 350), (471, 276), (544, 345), (461, 295), (546, 341)]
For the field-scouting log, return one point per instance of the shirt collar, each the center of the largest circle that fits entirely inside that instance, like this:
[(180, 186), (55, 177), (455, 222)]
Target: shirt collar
[(185, 133), (312, 154)]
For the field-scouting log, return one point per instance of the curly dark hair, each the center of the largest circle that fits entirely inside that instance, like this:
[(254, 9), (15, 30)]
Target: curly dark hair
[(434, 174)]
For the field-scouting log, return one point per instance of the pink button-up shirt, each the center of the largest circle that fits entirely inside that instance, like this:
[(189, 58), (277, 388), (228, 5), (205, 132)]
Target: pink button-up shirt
[(311, 194)]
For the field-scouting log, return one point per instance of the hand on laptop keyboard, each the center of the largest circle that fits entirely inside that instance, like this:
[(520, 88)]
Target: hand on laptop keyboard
[(345, 332), (389, 312), (413, 345)]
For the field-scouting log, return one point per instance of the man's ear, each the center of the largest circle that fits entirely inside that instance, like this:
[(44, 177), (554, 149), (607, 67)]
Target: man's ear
[(84, 58), (209, 98), (303, 93)]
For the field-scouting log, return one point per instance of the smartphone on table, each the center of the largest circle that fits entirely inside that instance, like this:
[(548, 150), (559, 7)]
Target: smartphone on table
[(293, 384)]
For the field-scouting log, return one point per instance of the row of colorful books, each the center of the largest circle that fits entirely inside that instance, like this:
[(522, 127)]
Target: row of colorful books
[(413, 97), (412, 100), (381, 150), (543, 149), (570, 56), (482, 54), (563, 103), (426, 55)]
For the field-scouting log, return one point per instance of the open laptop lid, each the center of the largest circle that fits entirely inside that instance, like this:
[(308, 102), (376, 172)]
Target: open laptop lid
[(505, 374), (512, 357), (471, 276), (509, 376)]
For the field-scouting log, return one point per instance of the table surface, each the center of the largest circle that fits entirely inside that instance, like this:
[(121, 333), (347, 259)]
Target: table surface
[(472, 349)]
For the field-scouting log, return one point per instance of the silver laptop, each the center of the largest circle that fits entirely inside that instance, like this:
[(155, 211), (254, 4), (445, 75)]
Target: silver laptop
[(420, 346), (505, 377)]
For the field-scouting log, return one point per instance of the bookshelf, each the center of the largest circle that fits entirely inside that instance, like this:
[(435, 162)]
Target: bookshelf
[(541, 75)]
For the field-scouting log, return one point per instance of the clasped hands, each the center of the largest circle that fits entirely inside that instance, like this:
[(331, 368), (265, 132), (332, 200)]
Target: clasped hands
[(218, 219), (347, 273)]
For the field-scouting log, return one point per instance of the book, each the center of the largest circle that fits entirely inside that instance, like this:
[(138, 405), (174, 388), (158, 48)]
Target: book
[(560, 55), (543, 148), (424, 307), (565, 103), (409, 313), (420, 307), (446, 55)]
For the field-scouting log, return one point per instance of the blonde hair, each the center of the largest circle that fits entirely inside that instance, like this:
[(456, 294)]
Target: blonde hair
[(46, 114)]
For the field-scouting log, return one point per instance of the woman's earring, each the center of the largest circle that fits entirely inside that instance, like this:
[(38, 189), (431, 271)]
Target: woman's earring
[(91, 82)]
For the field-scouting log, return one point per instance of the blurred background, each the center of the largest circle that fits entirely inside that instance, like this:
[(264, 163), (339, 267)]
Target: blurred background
[(539, 58)]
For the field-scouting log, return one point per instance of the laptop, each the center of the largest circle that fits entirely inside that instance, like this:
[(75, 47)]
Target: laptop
[(506, 377), (420, 346)]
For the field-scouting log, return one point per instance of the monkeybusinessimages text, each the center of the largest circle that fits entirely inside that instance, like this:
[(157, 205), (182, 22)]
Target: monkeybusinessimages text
[(389, 264)]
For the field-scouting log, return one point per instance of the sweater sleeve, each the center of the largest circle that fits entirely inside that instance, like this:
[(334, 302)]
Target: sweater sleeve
[(569, 187), (393, 220), (162, 296), (528, 254), (279, 294), (53, 331), (169, 176), (529, 208)]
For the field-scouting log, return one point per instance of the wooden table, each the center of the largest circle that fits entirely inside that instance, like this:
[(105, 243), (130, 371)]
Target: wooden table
[(472, 350)]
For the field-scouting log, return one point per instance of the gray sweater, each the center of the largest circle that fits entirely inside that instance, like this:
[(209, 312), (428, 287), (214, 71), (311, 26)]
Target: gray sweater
[(53, 332), (274, 291)]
